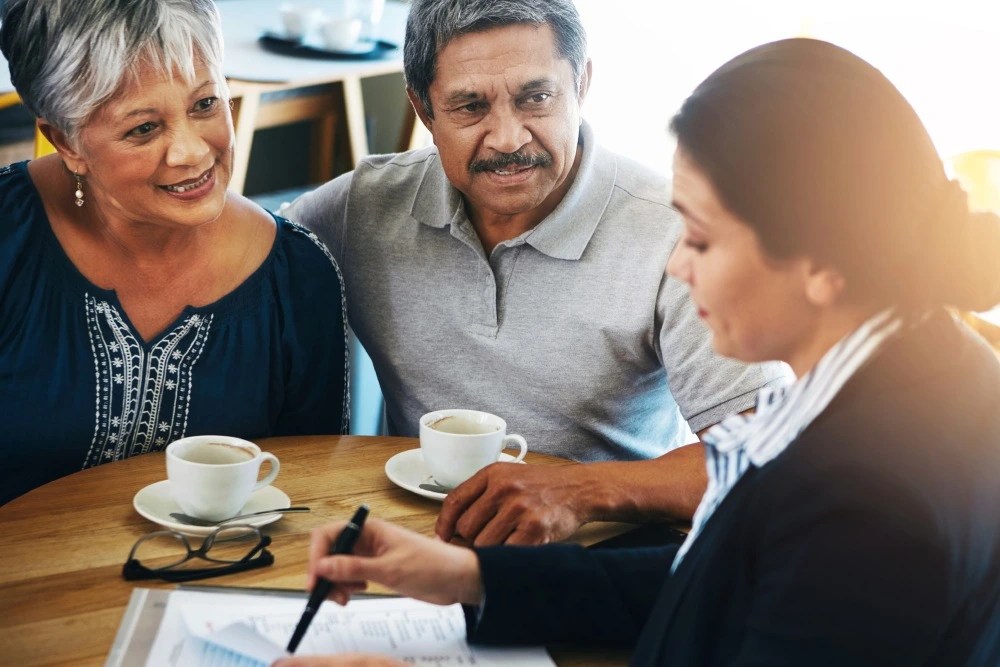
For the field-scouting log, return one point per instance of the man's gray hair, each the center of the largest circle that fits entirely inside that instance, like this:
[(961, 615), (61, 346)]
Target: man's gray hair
[(434, 23), (69, 57)]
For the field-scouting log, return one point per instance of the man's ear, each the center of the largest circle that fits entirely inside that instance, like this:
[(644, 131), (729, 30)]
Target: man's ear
[(824, 284), (418, 108), (585, 76), (66, 149)]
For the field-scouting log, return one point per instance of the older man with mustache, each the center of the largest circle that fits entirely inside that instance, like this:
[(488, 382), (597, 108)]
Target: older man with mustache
[(517, 267)]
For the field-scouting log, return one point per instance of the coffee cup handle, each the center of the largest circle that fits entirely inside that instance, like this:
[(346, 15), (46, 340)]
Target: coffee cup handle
[(511, 440), (275, 466)]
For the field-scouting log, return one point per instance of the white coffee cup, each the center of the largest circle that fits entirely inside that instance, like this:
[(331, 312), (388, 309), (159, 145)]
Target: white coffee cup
[(456, 444), (299, 20), (340, 32), (212, 476)]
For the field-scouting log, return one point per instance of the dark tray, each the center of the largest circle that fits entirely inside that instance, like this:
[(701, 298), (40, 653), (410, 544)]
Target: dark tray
[(299, 49)]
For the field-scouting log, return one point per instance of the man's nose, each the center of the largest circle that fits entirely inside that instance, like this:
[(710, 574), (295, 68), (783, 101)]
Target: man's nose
[(507, 132)]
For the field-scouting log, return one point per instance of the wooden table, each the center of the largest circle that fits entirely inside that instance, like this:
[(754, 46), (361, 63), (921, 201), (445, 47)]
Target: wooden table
[(63, 545)]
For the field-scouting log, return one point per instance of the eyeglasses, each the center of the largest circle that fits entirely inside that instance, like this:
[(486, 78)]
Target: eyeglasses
[(162, 555)]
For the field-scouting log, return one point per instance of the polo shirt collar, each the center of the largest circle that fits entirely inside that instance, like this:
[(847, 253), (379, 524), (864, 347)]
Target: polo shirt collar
[(564, 233)]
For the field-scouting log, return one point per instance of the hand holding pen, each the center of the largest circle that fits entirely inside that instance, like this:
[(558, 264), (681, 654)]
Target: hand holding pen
[(405, 562), (321, 588)]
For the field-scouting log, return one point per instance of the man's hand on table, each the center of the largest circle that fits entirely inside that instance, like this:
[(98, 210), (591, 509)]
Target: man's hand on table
[(507, 503), (517, 504)]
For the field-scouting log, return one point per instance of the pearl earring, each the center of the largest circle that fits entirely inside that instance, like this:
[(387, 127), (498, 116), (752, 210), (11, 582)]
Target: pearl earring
[(79, 189)]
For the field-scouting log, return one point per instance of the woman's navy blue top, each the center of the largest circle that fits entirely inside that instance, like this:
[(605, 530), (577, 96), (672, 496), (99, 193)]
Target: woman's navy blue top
[(80, 387)]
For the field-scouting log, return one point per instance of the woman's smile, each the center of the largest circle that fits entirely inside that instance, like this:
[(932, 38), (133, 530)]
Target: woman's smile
[(193, 188)]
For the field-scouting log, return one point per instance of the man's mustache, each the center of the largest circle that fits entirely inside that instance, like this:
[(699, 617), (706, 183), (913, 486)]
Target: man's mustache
[(501, 161)]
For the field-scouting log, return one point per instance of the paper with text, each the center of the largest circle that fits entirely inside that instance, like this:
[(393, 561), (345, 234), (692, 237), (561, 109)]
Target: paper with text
[(236, 630)]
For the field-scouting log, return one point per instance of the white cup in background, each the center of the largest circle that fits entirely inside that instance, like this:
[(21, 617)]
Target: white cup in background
[(370, 14), (340, 33), (299, 20), (212, 476), (456, 444)]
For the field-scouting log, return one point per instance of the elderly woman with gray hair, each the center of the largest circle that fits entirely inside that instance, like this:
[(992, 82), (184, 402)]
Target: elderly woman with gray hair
[(140, 302)]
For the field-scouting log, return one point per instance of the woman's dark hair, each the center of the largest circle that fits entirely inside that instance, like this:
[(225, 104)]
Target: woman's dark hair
[(819, 153)]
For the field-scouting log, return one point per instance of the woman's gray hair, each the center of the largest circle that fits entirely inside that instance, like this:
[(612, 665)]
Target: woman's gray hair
[(434, 23), (69, 57)]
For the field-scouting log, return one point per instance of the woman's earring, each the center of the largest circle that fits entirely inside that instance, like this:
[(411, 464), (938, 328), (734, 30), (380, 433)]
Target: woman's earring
[(79, 189)]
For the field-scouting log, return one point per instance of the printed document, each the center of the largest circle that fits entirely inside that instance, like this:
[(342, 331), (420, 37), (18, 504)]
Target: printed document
[(236, 630)]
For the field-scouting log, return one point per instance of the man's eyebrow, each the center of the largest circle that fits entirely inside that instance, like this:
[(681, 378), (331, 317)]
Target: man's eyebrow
[(537, 84), (461, 97)]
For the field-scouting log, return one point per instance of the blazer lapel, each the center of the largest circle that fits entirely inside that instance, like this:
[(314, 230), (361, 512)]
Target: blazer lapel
[(663, 616)]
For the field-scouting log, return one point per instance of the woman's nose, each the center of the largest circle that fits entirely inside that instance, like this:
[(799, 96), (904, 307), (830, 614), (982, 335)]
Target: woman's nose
[(187, 146)]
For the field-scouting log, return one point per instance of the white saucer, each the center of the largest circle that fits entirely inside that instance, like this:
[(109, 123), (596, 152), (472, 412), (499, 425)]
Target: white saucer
[(155, 502), (407, 470)]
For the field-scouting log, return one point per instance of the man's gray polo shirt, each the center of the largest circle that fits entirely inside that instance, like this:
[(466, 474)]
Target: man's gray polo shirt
[(571, 331)]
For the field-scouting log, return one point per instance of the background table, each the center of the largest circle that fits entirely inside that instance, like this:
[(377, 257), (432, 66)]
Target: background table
[(254, 73), (63, 545)]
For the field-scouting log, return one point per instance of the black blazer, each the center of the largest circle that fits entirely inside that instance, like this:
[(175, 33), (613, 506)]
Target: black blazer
[(873, 539)]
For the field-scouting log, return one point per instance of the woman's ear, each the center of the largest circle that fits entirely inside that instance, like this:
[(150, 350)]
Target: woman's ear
[(66, 149), (823, 284)]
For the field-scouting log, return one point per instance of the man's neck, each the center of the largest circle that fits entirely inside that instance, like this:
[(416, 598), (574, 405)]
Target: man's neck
[(493, 230)]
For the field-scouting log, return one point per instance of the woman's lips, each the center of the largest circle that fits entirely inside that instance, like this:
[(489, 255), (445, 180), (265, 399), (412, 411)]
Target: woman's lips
[(193, 188)]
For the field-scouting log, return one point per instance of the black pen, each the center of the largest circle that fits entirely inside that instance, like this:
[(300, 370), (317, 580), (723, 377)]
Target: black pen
[(343, 545)]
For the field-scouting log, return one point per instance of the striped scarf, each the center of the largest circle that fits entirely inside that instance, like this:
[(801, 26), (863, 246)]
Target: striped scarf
[(781, 414)]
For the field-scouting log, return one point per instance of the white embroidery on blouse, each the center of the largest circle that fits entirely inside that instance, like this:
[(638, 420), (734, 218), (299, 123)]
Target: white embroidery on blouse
[(142, 398), (346, 421)]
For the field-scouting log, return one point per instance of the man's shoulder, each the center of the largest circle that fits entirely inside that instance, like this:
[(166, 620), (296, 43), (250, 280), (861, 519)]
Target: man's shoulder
[(638, 184), (641, 195), (635, 180), (411, 165)]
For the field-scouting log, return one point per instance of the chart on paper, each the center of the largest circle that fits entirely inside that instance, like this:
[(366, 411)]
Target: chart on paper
[(226, 630)]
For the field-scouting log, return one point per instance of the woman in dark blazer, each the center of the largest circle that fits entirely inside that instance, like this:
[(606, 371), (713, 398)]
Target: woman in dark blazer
[(854, 519)]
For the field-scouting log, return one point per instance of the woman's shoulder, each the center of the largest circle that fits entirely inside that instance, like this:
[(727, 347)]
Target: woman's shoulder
[(18, 195), (21, 215), (289, 238), (299, 265), (305, 277), (303, 247), (14, 175)]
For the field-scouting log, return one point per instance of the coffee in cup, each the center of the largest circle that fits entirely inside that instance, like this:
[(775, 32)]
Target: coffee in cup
[(456, 444), (212, 476)]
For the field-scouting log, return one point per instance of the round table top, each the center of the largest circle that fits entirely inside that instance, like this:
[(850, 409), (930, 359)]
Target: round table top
[(61, 591)]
